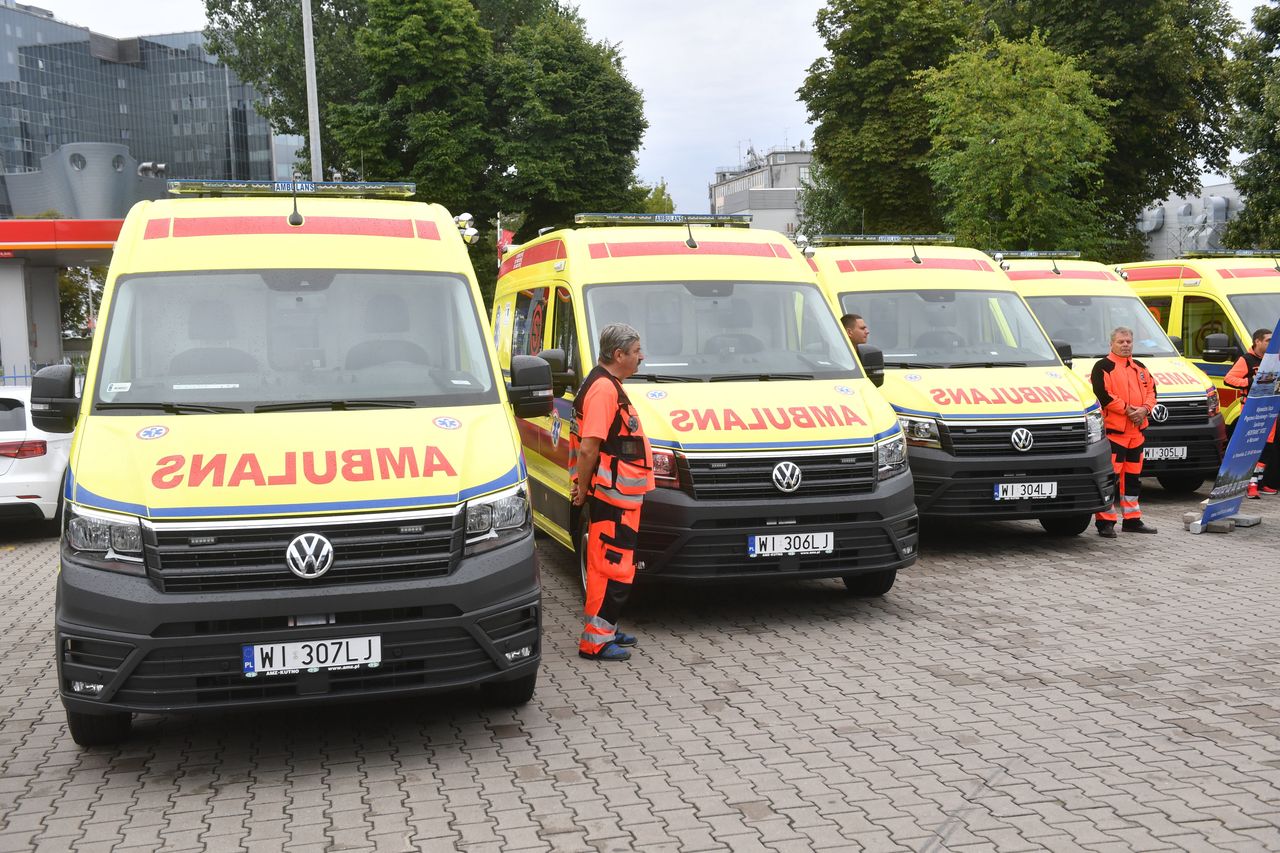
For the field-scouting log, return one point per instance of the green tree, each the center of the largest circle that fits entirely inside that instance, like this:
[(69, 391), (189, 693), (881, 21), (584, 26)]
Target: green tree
[(656, 198), (1018, 147), (824, 209), (1255, 89), (871, 123), (79, 292), (1163, 65)]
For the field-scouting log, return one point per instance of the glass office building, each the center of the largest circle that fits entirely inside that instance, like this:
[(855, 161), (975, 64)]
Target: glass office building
[(163, 97)]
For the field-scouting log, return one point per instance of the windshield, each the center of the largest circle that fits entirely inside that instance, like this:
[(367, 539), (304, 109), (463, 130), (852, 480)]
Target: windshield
[(720, 330), (1257, 310), (1086, 322), (237, 339), (951, 328)]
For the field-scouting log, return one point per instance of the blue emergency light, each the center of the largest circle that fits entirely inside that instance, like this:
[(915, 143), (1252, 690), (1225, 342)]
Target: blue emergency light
[(338, 189), (731, 220)]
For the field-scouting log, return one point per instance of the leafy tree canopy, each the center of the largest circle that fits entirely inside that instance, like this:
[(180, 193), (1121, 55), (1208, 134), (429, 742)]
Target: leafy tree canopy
[(1255, 89), (1018, 147), (656, 198), (824, 209)]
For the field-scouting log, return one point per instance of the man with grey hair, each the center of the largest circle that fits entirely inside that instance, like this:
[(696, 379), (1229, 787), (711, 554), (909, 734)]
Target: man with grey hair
[(1127, 393), (610, 470)]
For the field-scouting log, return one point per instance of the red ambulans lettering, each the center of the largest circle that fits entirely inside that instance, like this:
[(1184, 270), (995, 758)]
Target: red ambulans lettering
[(799, 417), (1176, 379), (1003, 396), (318, 467)]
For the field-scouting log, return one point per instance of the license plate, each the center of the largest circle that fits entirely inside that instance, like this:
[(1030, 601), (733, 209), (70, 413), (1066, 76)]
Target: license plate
[(1025, 491), (312, 655), (1161, 453), (777, 544)]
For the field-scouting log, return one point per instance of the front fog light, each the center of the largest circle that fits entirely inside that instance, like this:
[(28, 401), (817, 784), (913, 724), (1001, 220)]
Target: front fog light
[(86, 688)]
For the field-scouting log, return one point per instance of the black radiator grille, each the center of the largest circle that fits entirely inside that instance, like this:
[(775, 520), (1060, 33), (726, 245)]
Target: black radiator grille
[(1053, 437), (840, 473)]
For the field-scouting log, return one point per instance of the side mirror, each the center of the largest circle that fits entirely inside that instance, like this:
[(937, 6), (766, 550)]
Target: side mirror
[(54, 404), (872, 359), (1217, 347), (530, 388), (1064, 351), (1177, 344), (562, 378)]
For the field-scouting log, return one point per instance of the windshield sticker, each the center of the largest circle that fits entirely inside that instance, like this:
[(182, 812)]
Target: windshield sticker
[(217, 387), (448, 423), (118, 387), (157, 431), (656, 395)]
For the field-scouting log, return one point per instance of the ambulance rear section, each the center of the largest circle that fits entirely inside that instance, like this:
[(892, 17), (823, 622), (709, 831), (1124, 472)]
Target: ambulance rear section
[(998, 427), (295, 475), (1079, 303), (775, 456)]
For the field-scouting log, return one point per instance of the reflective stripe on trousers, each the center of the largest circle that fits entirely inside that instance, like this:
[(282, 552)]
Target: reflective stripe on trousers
[(611, 543), (1127, 463)]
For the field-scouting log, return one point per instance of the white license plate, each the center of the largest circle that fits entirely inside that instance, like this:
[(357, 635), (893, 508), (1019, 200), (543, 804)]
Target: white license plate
[(312, 655), (777, 544), (1025, 491), (1160, 453)]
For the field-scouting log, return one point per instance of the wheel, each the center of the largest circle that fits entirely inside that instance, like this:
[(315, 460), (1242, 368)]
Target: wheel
[(511, 694), (871, 584), (99, 729), (1180, 484), (584, 525), (1066, 525)]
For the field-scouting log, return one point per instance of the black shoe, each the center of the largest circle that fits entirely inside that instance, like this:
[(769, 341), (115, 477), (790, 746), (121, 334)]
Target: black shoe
[(1107, 531), (1137, 527), (610, 651)]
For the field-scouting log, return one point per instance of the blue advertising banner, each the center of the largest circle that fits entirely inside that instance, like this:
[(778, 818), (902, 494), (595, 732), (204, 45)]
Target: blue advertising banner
[(1250, 436)]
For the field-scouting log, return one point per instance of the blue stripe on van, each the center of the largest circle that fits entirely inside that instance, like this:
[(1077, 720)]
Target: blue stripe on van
[(87, 498)]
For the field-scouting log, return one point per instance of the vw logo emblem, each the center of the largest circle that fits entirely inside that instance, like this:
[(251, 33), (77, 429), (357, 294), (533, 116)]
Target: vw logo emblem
[(1160, 413), (786, 476), (1022, 439), (309, 556)]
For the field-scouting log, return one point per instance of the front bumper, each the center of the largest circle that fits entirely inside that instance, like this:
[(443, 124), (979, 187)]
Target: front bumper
[(951, 487), (1204, 443), (158, 652), (683, 539)]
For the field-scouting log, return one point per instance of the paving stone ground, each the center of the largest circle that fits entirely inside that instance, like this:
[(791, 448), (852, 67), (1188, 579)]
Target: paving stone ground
[(1013, 692)]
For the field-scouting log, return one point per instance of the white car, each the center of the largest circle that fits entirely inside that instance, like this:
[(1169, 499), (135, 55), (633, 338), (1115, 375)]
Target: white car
[(32, 462)]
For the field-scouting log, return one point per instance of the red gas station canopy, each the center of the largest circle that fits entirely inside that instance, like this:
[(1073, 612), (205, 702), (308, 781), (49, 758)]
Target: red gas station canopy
[(59, 242)]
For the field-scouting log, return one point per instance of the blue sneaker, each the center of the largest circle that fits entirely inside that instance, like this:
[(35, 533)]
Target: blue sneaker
[(610, 651), (625, 639)]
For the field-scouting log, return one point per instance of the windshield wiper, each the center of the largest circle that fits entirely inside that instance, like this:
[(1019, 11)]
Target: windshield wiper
[(335, 405), (759, 377), (176, 408), (990, 364), (923, 365), (664, 377)]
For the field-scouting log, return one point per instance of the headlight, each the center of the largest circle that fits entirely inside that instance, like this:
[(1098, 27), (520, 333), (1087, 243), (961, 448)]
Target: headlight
[(1093, 426), (1215, 406), (112, 536), (891, 457), (920, 432), (496, 520), (665, 471)]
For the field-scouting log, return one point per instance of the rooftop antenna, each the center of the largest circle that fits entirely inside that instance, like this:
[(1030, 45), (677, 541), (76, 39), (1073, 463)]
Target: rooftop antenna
[(295, 218), (691, 243), (1056, 271), (915, 257)]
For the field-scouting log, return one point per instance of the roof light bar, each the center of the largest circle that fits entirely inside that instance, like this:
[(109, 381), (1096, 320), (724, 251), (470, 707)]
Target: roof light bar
[(881, 239), (999, 254), (732, 220), (344, 189), (1235, 253)]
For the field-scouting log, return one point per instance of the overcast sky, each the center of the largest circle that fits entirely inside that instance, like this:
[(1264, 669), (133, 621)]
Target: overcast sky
[(717, 75)]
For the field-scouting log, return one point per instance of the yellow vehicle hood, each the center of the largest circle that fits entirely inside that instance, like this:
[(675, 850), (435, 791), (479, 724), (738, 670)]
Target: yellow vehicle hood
[(1175, 377), (746, 416), (270, 464), (1002, 392)]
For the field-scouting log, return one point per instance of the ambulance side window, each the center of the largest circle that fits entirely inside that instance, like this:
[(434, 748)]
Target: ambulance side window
[(1160, 307), (564, 334), (1201, 317), (529, 321)]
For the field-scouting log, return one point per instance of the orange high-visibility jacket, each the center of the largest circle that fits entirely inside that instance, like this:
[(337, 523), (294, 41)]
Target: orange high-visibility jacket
[(1119, 381), (602, 410)]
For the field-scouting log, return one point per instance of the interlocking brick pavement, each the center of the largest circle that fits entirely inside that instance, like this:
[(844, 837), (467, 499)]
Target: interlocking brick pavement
[(1013, 692)]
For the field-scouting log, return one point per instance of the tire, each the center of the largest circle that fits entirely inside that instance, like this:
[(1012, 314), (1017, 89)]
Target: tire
[(1066, 525), (1180, 484), (511, 694), (870, 584), (99, 729)]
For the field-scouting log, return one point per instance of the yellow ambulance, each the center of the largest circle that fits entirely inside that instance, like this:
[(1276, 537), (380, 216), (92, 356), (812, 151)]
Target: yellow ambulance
[(998, 427), (1211, 304), (775, 456), (1079, 303), (296, 475)]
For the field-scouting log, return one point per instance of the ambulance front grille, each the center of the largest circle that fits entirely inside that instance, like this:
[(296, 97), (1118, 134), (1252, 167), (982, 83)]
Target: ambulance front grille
[(1193, 411), (216, 558), (712, 476), (1048, 437)]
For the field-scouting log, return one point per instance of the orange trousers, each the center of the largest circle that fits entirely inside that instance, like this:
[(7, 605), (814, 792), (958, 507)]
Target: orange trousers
[(611, 567), (1127, 463)]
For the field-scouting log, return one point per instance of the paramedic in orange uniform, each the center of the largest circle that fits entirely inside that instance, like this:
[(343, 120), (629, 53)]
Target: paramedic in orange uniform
[(610, 470), (1240, 377), (1127, 393)]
